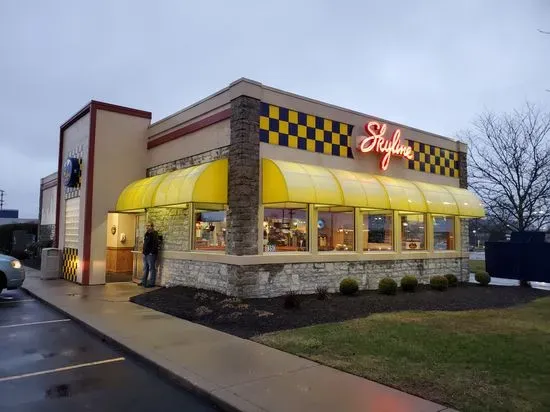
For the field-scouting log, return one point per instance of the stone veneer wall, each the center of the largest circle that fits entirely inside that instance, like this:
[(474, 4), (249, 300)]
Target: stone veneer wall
[(205, 157), (46, 232), (277, 279), (173, 225)]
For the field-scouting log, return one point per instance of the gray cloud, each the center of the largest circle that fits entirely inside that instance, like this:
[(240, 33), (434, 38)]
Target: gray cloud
[(429, 64)]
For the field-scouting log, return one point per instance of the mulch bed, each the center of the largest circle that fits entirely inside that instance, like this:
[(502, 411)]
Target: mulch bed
[(250, 317)]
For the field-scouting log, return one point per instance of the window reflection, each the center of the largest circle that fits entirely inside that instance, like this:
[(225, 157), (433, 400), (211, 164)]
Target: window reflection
[(285, 229), (210, 230), (444, 233), (413, 232), (336, 229), (377, 231)]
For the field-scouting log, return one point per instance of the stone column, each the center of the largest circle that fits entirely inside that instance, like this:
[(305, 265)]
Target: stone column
[(244, 177), (463, 169), (464, 248)]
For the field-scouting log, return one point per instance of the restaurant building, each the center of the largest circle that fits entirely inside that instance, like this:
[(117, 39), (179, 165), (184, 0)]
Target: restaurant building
[(256, 192)]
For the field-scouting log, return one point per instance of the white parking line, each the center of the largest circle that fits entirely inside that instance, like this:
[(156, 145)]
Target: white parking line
[(33, 323), (17, 301), (66, 368)]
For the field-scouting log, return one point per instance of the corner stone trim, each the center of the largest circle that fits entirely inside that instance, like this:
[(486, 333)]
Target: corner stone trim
[(198, 159), (463, 169), (244, 177)]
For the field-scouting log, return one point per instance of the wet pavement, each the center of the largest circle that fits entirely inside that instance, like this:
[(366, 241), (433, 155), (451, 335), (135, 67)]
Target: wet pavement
[(50, 363)]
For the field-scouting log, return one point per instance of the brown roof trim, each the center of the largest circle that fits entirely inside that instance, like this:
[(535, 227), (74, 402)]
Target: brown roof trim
[(78, 115), (48, 186), (108, 107), (190, 128)]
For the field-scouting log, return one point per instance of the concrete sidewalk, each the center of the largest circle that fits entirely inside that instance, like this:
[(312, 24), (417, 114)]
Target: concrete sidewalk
[(235, 373)]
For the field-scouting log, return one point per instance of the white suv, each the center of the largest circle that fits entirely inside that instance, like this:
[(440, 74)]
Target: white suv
[(12, 273)]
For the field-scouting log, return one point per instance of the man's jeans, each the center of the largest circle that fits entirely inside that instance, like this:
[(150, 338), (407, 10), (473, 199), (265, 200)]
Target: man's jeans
[(149, 264)]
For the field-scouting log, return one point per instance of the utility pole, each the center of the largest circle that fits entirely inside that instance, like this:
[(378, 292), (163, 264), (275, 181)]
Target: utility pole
[(2, 199)]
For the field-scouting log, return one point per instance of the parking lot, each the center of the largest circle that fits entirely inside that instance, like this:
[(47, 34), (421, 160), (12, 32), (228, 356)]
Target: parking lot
[(50, 363)]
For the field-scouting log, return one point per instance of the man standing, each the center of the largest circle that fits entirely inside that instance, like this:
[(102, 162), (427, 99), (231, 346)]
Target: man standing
[(150, 252)]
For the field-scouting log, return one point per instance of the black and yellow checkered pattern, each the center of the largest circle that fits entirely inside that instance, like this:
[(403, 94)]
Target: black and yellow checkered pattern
[(290, 128), (433, 159), (70, 263)]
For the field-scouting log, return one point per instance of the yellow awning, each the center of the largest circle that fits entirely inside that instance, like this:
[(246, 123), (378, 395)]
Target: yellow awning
[(299, 183), (288, 182), (206, 183), (139, 195), (468, 203)]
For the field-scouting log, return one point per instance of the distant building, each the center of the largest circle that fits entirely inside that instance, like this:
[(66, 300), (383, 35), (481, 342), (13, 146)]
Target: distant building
[(47, 206), (9, 214)]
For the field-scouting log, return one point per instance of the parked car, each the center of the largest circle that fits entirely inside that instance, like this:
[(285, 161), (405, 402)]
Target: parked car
[(12, 273)]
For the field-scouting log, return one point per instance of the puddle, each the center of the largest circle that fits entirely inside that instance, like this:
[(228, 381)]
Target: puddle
[(59, 391), (66, 390)]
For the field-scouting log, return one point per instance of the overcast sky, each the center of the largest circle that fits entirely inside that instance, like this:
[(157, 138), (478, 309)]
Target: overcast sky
[(429, 64)]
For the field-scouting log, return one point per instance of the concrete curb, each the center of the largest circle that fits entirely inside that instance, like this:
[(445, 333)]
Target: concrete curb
[(161, 371)]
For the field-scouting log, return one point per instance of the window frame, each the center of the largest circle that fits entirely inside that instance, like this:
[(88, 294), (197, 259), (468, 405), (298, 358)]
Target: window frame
[(279, 206), (454, 228), (373, 212), (348, 209), (205, 207), (402, 239)]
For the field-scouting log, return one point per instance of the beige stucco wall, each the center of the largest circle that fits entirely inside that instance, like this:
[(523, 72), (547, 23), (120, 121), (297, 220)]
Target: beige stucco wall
[(203, 140), (218, 135), (362, 162), (125, 224), (47, 214), (120, 158), (310, 106), (78, 134), (203, 108)]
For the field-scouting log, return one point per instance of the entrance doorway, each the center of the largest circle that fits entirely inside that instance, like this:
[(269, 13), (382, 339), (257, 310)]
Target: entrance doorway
[(121, 241)]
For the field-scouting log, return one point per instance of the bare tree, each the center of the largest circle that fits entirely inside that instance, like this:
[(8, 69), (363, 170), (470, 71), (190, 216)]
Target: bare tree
[(509, 165)]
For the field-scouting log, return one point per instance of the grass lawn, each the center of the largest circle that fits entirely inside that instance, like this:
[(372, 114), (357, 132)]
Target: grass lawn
[(476, 265), (483, 360)]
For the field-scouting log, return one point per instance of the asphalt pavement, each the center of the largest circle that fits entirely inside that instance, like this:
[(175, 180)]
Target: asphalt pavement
[(51, 363)]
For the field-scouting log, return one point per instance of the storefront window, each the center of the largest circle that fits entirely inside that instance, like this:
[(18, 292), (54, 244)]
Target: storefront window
[(336, 229), (377, 231), (413, 232), (210, 229), (444, 233), (285, 229)]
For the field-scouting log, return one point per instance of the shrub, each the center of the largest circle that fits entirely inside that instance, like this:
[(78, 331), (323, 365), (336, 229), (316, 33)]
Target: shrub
[(322, 292), (348, 286), (439, 283), (387, 286), (292, 300), (483, 278), (452, 279), (409, 283)]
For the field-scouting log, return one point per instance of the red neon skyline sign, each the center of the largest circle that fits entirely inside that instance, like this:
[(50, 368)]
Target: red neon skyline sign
[(375, 142)]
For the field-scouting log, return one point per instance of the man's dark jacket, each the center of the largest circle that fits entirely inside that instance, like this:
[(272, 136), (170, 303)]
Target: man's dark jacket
[(151, 243)]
